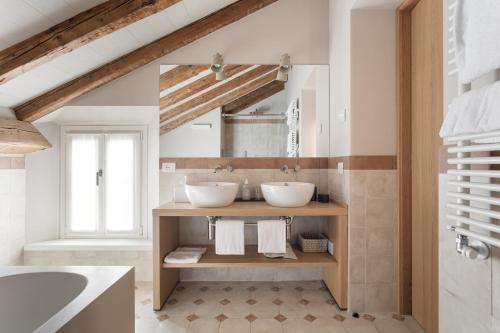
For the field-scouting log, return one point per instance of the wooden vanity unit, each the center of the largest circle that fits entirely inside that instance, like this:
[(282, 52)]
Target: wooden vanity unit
[(166, 239)]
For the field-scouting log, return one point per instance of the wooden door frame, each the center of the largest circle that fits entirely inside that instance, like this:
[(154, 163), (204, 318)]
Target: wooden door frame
[(404, 142)]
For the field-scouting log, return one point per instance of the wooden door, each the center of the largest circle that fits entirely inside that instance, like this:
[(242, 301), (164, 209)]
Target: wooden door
[(420, 75), (426, 119)]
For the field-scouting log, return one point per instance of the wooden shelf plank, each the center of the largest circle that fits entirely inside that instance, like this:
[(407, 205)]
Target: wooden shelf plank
[(254, 259), (255, 208)]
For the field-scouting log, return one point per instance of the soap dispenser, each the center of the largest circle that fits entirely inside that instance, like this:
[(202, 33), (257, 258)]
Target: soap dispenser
[(245, 191)]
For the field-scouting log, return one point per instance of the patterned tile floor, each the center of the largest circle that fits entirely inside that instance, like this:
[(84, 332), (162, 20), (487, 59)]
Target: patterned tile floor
[(272, 307)]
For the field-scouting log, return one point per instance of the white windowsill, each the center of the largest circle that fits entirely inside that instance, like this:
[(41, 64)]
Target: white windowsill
[(91, 245)]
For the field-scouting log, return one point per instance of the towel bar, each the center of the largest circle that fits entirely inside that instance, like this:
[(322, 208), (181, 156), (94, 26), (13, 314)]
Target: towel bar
[(213, 219)]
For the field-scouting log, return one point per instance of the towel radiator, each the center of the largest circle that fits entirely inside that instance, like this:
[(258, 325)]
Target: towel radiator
[(473, 185)]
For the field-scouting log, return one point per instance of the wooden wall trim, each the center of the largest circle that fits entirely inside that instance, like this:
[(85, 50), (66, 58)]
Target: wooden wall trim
[(350, 162), (245, 163), (368, 162)]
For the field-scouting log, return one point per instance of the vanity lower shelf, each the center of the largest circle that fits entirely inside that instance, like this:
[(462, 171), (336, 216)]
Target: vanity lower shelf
[(254, 259)]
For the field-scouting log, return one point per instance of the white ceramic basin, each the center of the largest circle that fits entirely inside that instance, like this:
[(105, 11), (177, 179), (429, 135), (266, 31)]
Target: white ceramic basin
[(287, 194), (212, 194)]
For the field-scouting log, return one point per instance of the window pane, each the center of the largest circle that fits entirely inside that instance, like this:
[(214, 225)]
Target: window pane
[(84, 194), (120, 181)]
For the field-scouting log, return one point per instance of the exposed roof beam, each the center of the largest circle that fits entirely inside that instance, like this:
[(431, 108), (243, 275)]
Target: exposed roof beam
[(218, 102), (216, 92), (199, 85), (179, 74), (75, 32), (58, 97), (254, 97)]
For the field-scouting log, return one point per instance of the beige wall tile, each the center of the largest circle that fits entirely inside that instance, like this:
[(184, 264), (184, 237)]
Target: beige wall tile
[(357, 241), (379, 269), (380, 212), (357, 211), (381, 184), (357, 269), (380, 297), (358, 181), (380, 241), (356, 299)]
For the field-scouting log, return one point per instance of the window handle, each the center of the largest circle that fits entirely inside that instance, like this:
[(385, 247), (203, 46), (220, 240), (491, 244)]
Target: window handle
[(97, 175)]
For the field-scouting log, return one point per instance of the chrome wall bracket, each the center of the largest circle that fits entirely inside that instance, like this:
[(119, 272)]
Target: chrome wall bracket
[(470, 248)]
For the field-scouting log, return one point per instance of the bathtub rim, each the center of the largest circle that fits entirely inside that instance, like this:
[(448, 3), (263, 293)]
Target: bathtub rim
[(99, 280)]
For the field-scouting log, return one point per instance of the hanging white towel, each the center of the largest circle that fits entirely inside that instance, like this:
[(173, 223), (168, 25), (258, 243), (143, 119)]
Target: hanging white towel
[(476, 38), (230, 237), (271, 236), (475, 111)]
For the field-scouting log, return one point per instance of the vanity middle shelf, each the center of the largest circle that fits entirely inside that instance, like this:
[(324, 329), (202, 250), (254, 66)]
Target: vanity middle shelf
[(254, 259)]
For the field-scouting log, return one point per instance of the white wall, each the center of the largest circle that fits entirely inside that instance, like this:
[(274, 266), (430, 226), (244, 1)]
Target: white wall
[(340, 78), (43, 168), (373, 82), (42, 188), (296, 27), (362, 74), (12, 217), (185, 141)]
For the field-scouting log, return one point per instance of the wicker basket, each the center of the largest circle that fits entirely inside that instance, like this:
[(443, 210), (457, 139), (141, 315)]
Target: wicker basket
[(313, 242)]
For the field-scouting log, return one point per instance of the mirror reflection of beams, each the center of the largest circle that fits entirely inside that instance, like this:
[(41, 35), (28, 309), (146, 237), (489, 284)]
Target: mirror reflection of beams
[(244, 111)]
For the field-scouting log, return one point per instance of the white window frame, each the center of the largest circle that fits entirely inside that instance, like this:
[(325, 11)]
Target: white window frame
[(140, 221)]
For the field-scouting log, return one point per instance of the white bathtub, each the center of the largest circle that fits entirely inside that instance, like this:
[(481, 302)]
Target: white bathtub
[(66, 299)]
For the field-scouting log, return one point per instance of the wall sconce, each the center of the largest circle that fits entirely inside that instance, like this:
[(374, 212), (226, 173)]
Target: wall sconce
[(284, 68), (218, 67)]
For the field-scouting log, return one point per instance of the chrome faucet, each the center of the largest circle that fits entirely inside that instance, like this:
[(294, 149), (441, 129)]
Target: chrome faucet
[(285, 169), (228, 168), (217, 168)]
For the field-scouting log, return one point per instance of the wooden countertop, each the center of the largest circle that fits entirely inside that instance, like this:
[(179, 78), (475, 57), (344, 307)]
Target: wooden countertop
[(253, 208)]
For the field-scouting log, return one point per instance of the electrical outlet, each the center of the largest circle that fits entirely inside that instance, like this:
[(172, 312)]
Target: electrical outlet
[(340, 168), (168, 167)]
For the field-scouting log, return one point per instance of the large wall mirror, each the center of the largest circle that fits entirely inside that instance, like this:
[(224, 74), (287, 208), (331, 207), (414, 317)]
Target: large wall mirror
[(244, 111)]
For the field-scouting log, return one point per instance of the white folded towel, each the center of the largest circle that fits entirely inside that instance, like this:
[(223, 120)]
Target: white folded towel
[(185, 255), (476, 38), (230, 237), (271, 236), (475, 111)]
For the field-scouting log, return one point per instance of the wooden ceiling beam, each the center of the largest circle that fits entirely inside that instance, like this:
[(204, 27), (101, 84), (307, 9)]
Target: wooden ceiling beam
[(180, 74), (254, 97), (197, 86), (58, 97), (75, 32), (218, 102), (216, 92)]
